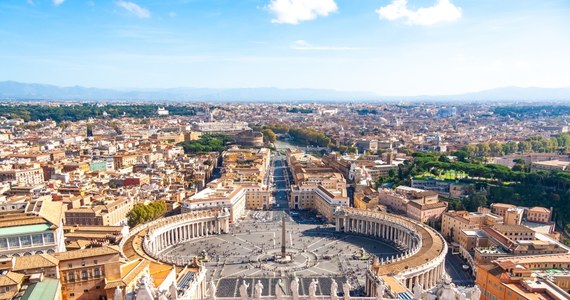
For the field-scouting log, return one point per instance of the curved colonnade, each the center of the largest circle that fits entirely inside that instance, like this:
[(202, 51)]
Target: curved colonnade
[(162, 234), (422, 263)]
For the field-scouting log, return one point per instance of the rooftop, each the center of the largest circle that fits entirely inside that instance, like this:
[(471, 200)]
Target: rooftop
[(47, 289), (24, 229)]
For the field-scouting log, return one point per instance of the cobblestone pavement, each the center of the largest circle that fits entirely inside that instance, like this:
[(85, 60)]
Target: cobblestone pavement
[(318, 252)]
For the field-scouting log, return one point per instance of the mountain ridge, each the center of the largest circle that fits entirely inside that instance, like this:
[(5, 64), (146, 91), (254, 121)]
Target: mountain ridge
[(14, 91)]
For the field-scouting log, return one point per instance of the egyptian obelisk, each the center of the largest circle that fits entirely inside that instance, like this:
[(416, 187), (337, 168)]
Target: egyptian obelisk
[(283, 241)]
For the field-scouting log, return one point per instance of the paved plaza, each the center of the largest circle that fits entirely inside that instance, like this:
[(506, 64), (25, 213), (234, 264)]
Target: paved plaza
[(317, 251)]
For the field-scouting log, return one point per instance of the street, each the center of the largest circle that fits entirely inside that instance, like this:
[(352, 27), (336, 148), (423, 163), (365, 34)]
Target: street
[(453, 267)]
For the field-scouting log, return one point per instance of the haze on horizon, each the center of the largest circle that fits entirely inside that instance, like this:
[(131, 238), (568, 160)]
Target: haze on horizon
[(388, 47)]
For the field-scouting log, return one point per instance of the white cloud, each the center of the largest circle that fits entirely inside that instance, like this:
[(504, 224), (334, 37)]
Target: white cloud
[(134, 8), (441, 11), (304, 46), (58, 2), (295, 11)]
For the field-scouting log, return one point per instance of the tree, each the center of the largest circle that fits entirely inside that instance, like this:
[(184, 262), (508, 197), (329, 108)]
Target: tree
[(475, 201), (269, 135), (496, 149), (483, 150), (145, 213), (461, 155), (89, 129), (524, 146), (206, 143)]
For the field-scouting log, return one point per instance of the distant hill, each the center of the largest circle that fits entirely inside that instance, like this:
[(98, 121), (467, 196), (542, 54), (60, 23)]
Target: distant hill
[(505, 94), (11, 90)]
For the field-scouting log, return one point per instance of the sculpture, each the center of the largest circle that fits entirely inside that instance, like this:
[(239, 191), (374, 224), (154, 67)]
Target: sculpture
[(375, 261), (313, 289), (145, 290), (258, 289), (211, 295), (243, 290), (162, 295), (380, 291), (295, 288), (118, 294), (334, 290), (418, 291), (475, 293), (446, 291), (278, 291), (173, 291), (346, 290)]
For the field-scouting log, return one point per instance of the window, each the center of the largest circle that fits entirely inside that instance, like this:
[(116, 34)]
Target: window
[(14, 242), (3, 244), (69, 265), (97, 273), (37, 239), (72, 295), (49, 237), (25, 240), (86, 291), (84, 276), (71, 277)]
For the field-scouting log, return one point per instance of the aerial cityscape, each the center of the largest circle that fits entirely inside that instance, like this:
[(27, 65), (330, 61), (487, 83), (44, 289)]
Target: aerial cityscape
[(284, 149)]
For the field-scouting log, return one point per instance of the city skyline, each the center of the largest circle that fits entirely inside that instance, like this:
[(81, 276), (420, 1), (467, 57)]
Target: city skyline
[(391, 48)]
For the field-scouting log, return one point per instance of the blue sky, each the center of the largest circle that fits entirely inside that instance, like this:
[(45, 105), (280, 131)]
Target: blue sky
[(390, 47)]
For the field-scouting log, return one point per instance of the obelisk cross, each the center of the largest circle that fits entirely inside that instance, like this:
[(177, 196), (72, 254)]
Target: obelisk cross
[(283, 240)]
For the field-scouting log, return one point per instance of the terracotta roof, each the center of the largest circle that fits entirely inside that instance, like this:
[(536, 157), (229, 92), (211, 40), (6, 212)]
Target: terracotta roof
[(78, 244), (98, 251), (539, 209), (159, 272), (53, 212), (129, 271), (512, 228), (428, 206), (502, 205), (11, 278), (21, 220), (552, 258), (35, 261)]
